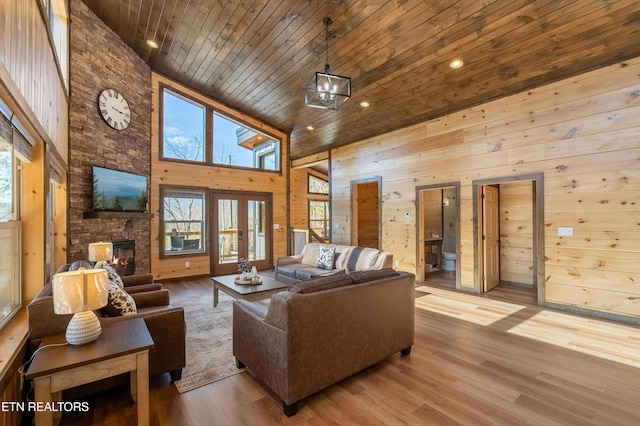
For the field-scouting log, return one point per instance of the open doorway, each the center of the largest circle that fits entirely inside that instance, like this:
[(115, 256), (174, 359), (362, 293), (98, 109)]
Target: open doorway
[(366, 212), (509, 233), (438, 234)]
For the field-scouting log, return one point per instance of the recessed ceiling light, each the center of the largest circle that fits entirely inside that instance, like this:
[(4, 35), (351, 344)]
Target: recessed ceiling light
[(365, 104), (310, 128), (456, 63), (152, 44)]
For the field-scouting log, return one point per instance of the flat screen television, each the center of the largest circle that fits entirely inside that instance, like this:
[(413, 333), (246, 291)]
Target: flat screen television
[(114, 190)]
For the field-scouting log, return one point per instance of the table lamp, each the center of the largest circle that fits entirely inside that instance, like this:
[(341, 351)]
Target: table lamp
[(79, 293), (100, 252)]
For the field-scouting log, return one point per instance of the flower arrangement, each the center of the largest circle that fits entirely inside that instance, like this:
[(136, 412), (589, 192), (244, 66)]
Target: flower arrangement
[(244, 266)]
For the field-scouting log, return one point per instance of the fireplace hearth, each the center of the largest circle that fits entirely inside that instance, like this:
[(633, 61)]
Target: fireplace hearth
[(124, 257)]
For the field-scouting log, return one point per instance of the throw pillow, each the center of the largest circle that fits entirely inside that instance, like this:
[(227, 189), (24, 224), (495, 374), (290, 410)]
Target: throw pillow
[(113, 275), (325, 257), (371, 275), (324, 282), (120, 302)]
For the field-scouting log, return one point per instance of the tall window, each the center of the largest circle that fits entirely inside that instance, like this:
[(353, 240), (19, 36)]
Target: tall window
[(193, 131), (319, 217), (9, 228), (59, 26), (184, 218)]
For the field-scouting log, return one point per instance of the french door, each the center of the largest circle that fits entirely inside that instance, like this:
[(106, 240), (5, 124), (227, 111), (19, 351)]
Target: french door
[(242, 225)]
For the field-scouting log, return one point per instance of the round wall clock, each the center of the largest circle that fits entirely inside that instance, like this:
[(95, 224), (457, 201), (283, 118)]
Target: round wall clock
[(114, 109)]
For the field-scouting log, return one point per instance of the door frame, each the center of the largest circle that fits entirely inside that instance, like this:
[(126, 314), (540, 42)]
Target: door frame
[(420, 262), (212, 214), (538, 228), (354, 210)]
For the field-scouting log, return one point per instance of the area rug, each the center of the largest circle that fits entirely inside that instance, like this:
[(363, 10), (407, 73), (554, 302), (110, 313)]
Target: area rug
[(209, 341)]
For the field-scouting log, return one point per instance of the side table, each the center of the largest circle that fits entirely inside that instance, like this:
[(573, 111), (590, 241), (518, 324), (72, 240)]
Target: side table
[(122, 347)]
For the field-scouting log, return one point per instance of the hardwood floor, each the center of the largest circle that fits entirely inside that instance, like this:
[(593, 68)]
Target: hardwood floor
[(476, 361)]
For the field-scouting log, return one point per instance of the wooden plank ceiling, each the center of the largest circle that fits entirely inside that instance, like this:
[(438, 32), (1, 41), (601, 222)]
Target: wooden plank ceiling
[(258, 55)]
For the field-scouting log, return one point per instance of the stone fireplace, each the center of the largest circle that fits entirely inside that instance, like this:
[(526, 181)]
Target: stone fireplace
[(101, 59)]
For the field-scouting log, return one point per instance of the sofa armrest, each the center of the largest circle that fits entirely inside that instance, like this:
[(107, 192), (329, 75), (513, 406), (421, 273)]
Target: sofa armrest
[(288, 260), (151, 298)]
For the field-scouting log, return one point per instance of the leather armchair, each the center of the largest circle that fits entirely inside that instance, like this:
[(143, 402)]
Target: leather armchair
[(165, 322)]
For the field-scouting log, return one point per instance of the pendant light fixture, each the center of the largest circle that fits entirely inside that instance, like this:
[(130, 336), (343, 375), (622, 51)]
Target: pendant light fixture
[(326, 90)]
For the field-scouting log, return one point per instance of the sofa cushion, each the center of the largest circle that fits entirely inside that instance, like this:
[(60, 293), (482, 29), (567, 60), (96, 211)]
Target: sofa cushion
[(120, 303), (325, 282), (310, 272), (371, 275), (326, 257), (359, 259)]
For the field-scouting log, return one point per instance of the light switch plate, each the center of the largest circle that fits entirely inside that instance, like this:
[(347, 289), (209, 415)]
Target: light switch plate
[(565, 231)]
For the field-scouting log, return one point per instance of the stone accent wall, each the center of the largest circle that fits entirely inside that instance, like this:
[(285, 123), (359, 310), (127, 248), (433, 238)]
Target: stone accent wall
[(99, 59)]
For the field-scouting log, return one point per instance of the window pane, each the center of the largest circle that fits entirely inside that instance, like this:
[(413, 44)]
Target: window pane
[(184, 226), (59, 22), (319, 217), (6, 183), (238, 145), (257, 238), (228, 231), (9, 270), (318, 186), (183, 128)]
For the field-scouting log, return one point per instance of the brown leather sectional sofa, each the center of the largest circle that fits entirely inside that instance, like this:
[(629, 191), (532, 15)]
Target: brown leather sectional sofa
[(319, 333)]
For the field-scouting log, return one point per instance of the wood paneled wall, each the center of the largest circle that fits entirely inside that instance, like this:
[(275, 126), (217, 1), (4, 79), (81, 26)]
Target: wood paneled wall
[(516, 232), (582, 133), (27, 59), (220, 178)]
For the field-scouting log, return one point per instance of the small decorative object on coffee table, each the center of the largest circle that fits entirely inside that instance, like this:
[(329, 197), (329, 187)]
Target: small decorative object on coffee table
[(247, 275)]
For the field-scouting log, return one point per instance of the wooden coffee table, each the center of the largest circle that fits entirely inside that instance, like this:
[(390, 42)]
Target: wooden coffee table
[(262, 291), (122, 347)]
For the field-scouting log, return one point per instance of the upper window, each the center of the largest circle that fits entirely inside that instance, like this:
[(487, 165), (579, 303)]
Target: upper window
[(183, 128), (184, 221), (193, 131), (317, 185), (59, 26)]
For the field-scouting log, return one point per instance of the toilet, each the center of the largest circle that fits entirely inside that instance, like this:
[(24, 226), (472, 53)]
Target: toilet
[(449, 261)]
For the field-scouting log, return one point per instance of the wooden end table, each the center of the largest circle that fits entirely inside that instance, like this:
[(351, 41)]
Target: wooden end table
[(262, 291), (122, 347)]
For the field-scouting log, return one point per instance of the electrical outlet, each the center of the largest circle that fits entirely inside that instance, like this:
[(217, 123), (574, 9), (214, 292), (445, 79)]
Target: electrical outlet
[(397, 263), (565, 231), (187, 264)]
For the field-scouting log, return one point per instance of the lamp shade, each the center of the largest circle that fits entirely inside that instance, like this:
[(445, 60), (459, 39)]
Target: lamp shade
[(81, 290), (100, 251)]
